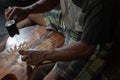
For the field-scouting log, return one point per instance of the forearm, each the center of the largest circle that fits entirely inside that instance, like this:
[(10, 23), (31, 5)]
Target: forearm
[(42, 6), (75, 51), (31, 20), (25, 23)]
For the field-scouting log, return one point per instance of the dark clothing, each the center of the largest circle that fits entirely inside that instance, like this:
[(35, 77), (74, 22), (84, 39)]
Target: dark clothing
[(97, 25), (92, 19)]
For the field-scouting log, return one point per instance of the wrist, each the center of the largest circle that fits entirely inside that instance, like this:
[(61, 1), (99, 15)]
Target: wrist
[(49, 54)]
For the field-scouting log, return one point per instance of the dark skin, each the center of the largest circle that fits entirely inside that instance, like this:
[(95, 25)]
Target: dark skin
[(41, 6), (78, 50), (32, 19)]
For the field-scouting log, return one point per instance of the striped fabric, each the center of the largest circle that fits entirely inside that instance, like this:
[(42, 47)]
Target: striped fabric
[(95, 64), (54, 22), (86, 69)]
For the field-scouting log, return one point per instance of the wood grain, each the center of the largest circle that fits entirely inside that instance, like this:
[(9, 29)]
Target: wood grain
[(37, 38)]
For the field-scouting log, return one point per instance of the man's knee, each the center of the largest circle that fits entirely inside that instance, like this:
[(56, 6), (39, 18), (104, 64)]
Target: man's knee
[(37, 18), (41, 71), (52, 75)]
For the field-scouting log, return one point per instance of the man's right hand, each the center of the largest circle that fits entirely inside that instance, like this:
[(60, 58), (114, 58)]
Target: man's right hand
[(20, 12), (33, 57)]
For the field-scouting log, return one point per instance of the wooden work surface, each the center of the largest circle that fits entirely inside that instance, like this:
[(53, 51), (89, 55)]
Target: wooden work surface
[(37, 38)]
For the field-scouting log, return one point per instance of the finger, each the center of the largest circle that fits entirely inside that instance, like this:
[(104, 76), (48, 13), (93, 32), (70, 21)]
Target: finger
[(7, 12), (12, 13), (22, 52), (36, 62)]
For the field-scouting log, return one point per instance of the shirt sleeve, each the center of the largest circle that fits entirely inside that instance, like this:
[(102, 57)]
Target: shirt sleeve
[(97, 27)]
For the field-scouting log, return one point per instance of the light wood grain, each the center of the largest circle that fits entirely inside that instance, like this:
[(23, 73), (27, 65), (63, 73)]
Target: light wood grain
[(37, 38)]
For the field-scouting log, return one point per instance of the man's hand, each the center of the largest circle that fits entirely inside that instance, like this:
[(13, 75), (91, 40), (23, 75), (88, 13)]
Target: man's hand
[(20, 12), (33, 57)]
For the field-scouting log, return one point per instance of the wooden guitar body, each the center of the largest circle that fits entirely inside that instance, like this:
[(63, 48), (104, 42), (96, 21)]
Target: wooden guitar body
[(37, 38)]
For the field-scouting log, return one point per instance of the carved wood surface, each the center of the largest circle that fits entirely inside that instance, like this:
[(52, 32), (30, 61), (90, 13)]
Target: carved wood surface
[(37, 38)]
